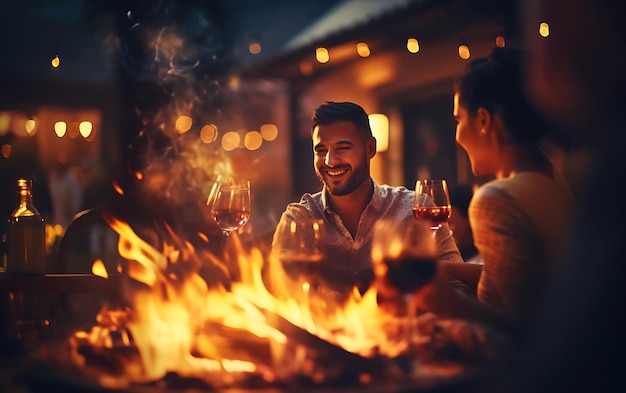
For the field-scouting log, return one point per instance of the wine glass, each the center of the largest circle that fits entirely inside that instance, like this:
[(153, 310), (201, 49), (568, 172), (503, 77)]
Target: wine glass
[(404, 258), (300, 248), (432, 203), (230, 205)]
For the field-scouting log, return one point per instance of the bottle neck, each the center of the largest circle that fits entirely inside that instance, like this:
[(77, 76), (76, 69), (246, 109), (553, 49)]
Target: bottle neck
[(26, 198), (26, 206)]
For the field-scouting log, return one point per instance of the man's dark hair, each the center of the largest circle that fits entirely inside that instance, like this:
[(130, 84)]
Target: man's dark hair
[(333, 112)]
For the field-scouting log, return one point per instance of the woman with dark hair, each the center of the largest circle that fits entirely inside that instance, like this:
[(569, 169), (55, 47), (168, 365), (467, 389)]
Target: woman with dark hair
[(519, 220)]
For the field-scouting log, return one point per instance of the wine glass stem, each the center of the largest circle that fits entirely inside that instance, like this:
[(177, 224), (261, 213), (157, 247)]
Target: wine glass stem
[(411, 321), (224, 240)]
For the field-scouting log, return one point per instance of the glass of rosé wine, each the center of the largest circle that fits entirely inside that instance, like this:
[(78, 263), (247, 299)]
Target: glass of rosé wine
[(230, 204), (432, 203)]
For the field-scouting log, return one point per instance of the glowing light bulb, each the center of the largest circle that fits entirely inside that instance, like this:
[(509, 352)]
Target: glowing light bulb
[(412, 45), (321, 54)]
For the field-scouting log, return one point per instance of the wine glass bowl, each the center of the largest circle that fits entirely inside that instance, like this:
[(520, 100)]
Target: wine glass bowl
[(302, 245), (404, 258), (230, 205), (403, 254), (432, 203)]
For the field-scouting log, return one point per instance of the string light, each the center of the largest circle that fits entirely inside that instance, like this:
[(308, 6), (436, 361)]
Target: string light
[(544, 29), (254, 47), (464, 52), (363, 49), (60, 128), (321, 54), (412, 45)]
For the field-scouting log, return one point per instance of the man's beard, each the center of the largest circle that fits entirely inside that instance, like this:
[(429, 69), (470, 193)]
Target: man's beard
[(358, 176)]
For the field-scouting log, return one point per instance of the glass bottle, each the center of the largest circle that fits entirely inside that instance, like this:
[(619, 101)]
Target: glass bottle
[(26, 235)]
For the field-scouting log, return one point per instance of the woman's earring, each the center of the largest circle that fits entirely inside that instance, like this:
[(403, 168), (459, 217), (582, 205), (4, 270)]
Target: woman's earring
[(483, 131)]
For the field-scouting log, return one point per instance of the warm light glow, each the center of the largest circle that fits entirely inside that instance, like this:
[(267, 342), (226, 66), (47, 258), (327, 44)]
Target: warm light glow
[(306, 68), (380, 129), (254, 47), (500, 41), (6, 150), (231, 141), (269, 132), (5, 121), (464, 52), (321, 54), (412, 45), (60, 128), (544, 29), (55, 61), (99, 269), (73, 130), (30, 126), (118, 189), (85, 128), (183, 124), (375, 72), (138, 175), (208, 133), (253, 140), (234, 82), (362, 49)]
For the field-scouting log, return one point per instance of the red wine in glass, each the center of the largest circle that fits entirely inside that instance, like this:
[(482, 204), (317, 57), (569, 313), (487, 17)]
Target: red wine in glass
[(409, 273), (298, 264), (432, 203), (437, 216)]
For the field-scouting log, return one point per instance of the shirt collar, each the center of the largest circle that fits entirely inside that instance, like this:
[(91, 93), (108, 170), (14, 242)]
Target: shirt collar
[(375, 202)]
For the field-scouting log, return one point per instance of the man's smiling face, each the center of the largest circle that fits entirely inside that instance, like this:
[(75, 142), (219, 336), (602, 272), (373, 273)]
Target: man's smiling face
[(341, 156)]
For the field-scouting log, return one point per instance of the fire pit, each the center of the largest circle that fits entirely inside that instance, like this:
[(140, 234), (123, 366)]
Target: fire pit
[(181, 326)]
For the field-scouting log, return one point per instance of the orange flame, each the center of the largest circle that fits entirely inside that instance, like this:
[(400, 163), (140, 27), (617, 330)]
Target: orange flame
[(180, 323)]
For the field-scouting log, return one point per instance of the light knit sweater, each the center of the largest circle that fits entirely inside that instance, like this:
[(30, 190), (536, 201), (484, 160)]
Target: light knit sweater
[(519, 226)]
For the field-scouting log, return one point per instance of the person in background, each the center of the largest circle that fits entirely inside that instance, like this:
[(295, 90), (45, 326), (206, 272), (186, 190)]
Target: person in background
[(520, 219), (460, 197), (576, 342), (350, 201)]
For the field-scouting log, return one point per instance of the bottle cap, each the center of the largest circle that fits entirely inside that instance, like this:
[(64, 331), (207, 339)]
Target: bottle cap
[(24, 183)]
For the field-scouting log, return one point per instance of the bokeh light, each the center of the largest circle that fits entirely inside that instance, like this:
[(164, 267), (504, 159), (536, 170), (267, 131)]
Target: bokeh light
[(269, 132), (30, 126), (253, 140), (321, 54), (208, 133), (85, 128), (60, 128), (6, 150), (464, 52), (363, 49), (231, 141), (254, 47), (183, 124), (412, 45)]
